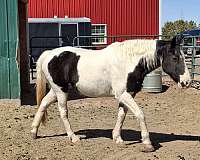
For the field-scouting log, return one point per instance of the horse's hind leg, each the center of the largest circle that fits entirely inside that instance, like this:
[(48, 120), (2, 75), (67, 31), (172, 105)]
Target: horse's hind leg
[(46, 101), (120, 120), (62, 105)]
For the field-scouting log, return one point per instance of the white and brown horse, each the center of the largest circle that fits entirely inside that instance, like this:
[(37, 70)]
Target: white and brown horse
[(117, 70)]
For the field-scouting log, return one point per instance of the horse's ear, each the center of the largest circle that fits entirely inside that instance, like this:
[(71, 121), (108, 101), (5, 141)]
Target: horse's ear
[(177, 40)]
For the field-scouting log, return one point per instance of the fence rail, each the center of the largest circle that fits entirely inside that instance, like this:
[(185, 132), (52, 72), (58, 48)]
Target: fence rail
[(111, 39)]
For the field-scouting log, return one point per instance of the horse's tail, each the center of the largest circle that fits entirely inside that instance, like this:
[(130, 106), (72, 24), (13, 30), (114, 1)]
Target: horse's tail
[(41, 83)]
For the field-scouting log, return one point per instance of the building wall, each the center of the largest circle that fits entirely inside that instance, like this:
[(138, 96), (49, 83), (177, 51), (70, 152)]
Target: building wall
[(9, 73), (123, 17)]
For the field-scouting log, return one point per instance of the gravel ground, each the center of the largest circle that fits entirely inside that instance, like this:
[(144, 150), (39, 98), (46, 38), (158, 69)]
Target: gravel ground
[(173, 119)]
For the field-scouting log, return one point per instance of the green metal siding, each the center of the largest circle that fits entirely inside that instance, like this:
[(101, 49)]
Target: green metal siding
[(4, 65), (14, 79), (4, 78), (9, 73)]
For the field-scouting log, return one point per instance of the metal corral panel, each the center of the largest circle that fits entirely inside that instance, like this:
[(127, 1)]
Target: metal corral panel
[(123, 17), (9, 74)]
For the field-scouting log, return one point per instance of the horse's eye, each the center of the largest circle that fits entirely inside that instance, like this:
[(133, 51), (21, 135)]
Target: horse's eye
[(175, 58)]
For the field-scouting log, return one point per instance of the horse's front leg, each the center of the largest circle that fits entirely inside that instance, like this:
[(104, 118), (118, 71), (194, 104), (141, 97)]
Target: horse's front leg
[(118, 126), (128, 101)]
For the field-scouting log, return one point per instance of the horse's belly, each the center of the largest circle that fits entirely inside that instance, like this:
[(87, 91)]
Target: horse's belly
[(94, 76), (100, 88)]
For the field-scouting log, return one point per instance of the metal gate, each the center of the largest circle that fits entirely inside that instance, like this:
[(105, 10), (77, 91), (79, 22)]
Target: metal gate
[(192, 55), (9, 73)]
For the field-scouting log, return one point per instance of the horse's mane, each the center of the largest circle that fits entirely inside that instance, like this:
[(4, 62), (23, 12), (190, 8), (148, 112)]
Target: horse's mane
[(134, 47), (129, 49)]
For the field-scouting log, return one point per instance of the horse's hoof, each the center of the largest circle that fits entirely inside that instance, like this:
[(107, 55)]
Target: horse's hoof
[(118, 140), (75, 139), (34, 135), (148, 148)]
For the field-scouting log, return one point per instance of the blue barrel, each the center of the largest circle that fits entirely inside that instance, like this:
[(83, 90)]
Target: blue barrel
[(153, 81)]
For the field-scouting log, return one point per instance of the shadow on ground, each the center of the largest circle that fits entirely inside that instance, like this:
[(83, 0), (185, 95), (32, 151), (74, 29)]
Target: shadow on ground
[(131, 135)]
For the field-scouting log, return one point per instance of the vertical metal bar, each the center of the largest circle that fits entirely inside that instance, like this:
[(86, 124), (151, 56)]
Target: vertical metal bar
[(60, 34), (192, 67), (193, 56), (77, 30)]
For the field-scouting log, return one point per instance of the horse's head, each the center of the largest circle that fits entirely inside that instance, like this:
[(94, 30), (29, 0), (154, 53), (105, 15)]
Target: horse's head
[(173, 62)]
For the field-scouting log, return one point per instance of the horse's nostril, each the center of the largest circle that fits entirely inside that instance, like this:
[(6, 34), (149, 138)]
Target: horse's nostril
[(182, 84), (188, 83)]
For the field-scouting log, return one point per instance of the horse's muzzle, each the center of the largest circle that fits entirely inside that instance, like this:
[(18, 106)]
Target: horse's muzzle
[(185, 84)]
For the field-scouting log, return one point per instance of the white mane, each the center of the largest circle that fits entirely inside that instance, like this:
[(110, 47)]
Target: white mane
[(134, 49)]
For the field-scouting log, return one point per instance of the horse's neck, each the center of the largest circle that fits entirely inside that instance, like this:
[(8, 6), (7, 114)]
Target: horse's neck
[(148, 63), (145, 65)]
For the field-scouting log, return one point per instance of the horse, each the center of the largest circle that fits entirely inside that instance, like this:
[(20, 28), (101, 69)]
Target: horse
[(117, 70)]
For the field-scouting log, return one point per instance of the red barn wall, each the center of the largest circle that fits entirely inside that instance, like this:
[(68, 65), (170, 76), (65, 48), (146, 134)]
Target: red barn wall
[(123, 17)]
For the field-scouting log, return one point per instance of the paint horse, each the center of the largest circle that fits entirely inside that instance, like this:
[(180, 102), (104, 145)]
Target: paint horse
[(117, 70)]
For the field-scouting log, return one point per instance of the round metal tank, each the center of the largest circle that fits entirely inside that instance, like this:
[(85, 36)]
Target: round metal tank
[(153, 81)]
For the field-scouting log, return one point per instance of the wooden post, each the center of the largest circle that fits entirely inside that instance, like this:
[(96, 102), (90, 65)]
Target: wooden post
[(23, 52)]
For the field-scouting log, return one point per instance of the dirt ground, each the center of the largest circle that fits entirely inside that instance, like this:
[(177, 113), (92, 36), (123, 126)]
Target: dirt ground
[(173, 119)]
